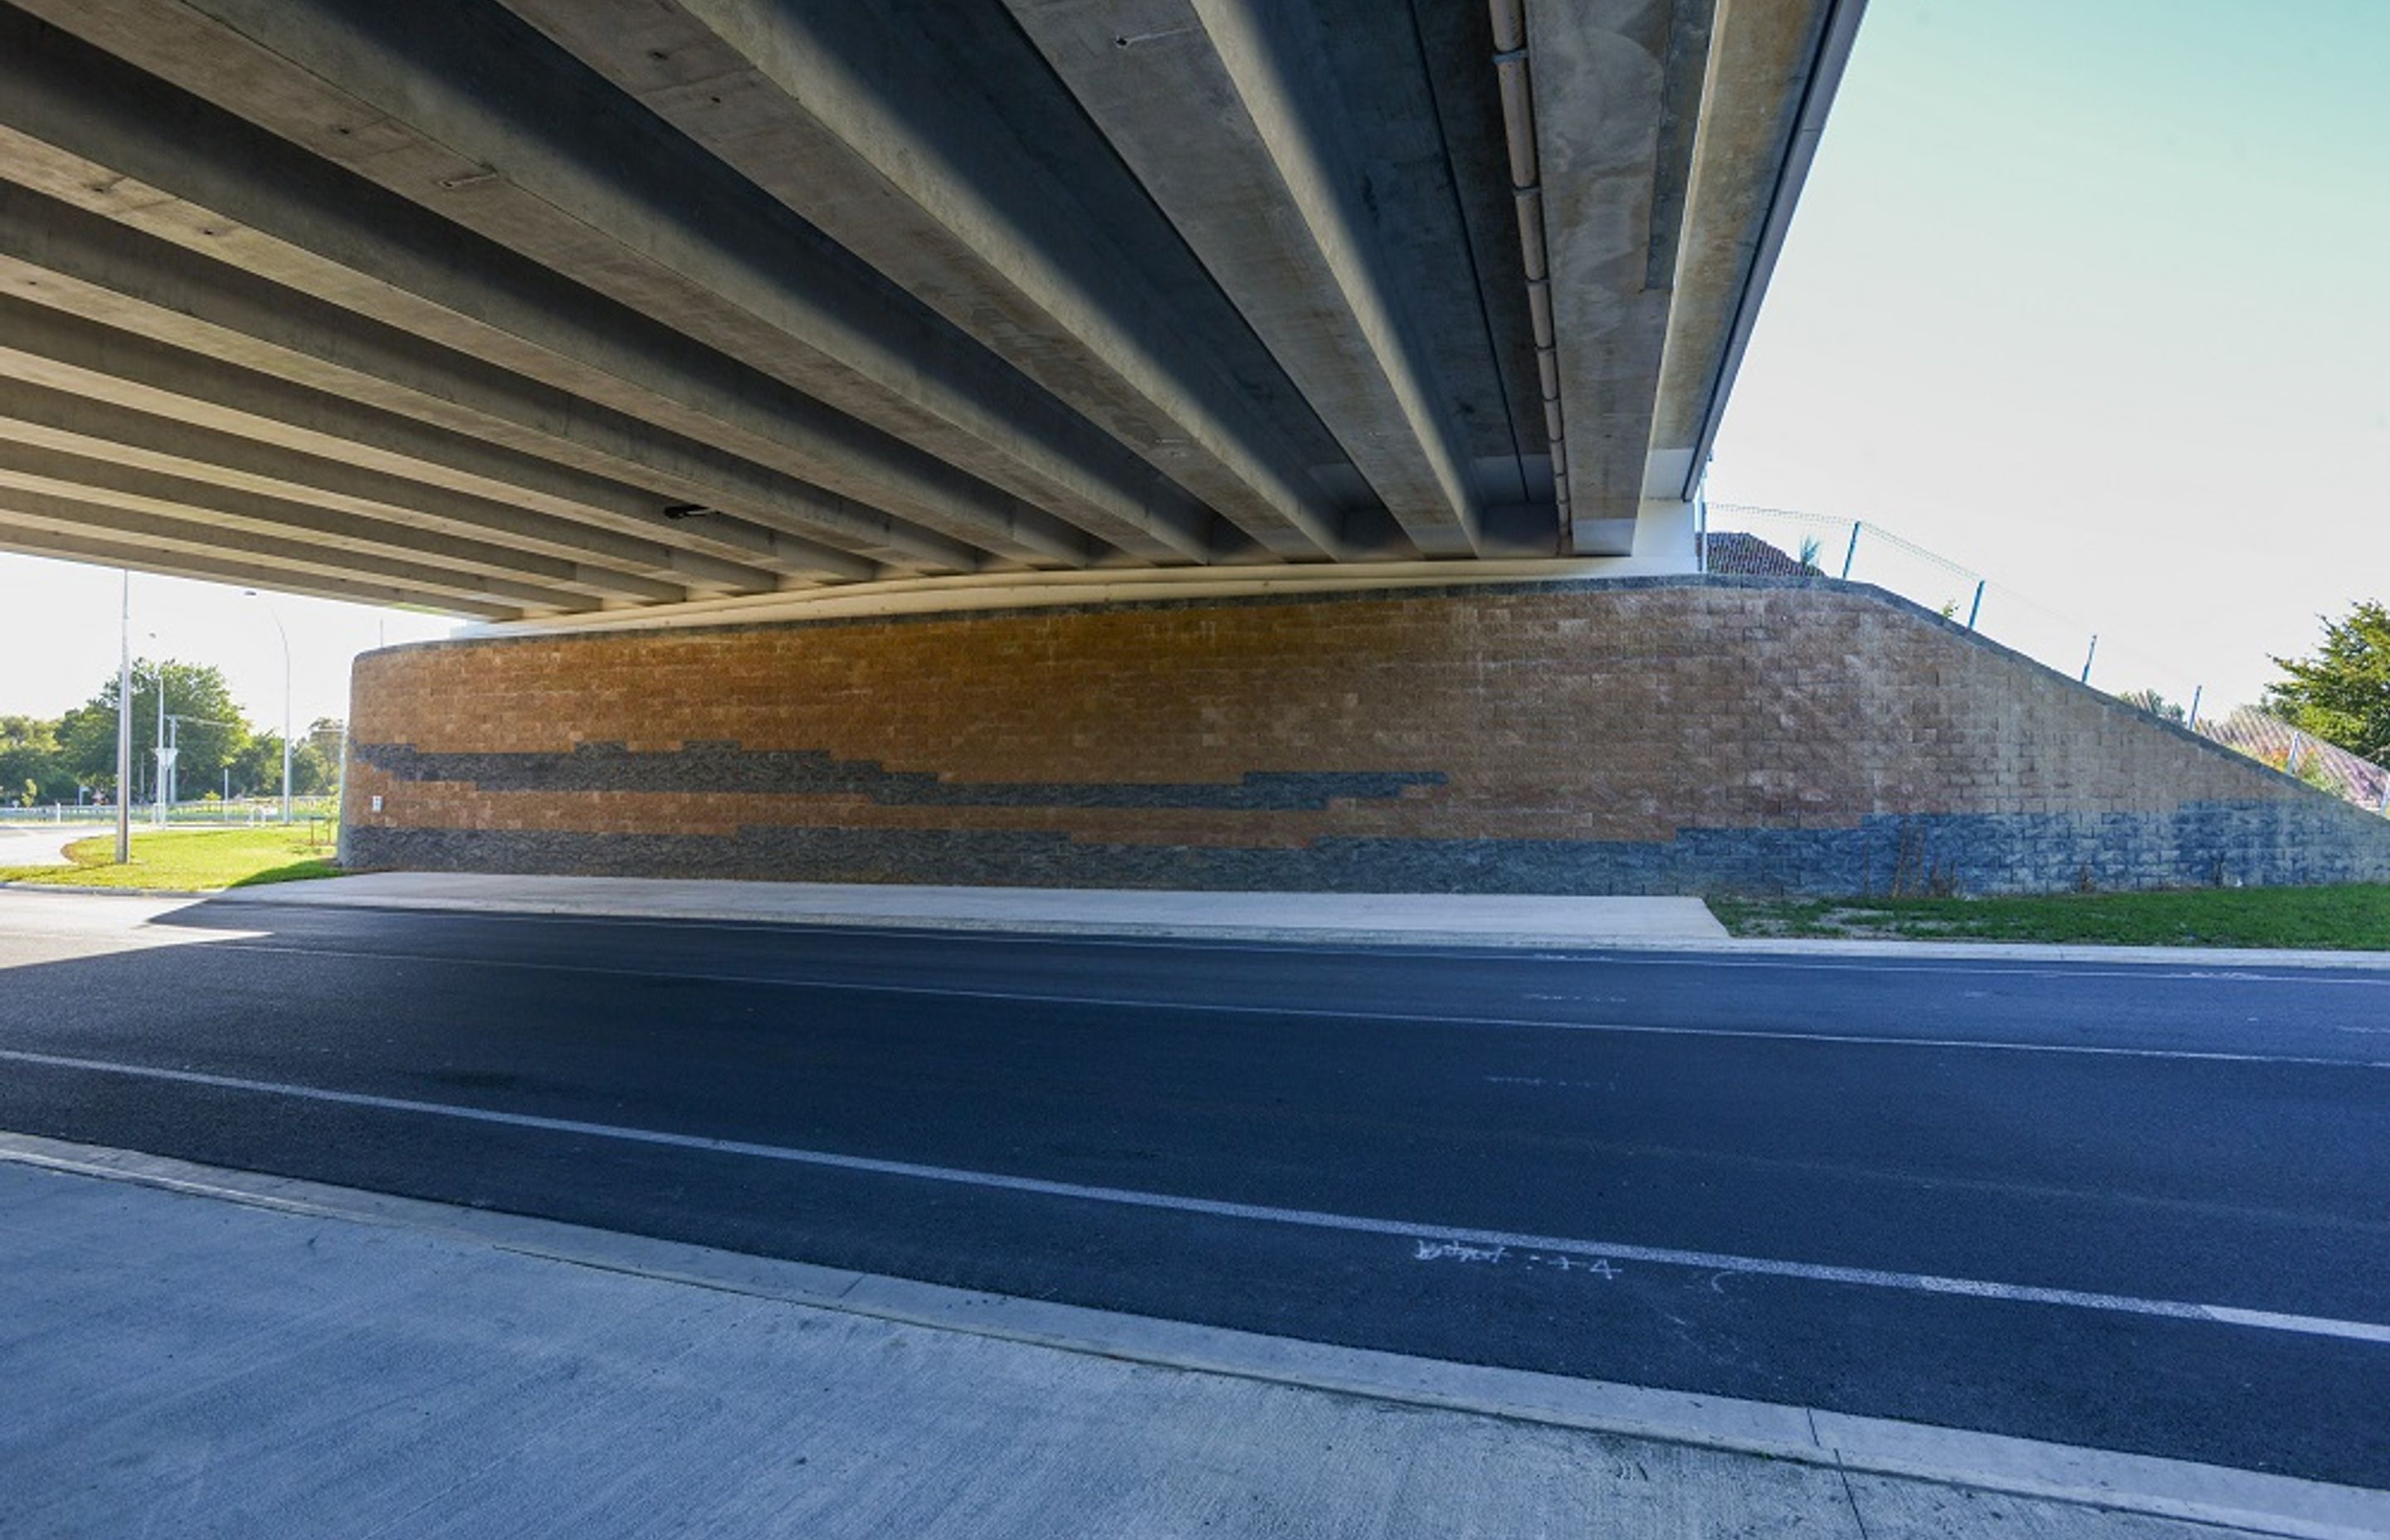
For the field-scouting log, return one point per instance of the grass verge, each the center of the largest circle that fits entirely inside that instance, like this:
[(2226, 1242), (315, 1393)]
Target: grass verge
[(195, 859), (2355, 918)]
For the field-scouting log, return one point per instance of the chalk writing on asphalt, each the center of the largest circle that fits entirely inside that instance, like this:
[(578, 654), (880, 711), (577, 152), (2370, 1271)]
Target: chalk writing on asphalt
[(1501, 1256)]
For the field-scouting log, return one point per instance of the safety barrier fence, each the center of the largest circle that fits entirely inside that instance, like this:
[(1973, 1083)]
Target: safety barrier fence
[(207, 812), (1758, 541)]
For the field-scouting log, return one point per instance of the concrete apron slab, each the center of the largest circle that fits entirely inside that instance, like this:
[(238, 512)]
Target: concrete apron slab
[(43, 844), (301, 1344), (1476, 920)]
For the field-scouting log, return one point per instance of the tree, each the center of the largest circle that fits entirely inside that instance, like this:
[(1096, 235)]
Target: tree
[(314, 762), (211, 734), (30, 766), (257, 769), (2342, 695)]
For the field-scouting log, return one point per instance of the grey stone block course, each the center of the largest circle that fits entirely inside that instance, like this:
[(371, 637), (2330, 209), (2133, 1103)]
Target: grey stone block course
[(728, 767), (2259, 844)]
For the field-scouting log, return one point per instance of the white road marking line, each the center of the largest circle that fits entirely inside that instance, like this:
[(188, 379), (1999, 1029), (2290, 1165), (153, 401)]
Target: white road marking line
[(1407, 1231), (1407, 1018), (2236, 1500)]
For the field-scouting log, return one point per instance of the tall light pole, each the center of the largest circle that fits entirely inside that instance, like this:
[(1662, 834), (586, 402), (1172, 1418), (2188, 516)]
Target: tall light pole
[(163, 762), (124, 728), (286, 700)]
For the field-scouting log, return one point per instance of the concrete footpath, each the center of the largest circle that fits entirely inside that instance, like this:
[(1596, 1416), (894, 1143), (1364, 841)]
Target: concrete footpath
[(197, 1352), (43, 844), (1482, 919)]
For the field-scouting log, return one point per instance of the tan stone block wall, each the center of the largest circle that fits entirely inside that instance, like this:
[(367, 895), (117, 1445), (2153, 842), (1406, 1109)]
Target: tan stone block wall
[(1604, 712)]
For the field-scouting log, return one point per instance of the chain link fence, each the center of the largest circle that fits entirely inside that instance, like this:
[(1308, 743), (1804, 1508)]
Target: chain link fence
[(1741, 540), (2326, 767)]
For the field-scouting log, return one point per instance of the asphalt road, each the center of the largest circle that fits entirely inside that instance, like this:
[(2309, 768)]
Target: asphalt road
[(2145, 1209)]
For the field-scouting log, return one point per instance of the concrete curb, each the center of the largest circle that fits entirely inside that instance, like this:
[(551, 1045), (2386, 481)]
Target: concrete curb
[(87, 890), (2249, 1501)]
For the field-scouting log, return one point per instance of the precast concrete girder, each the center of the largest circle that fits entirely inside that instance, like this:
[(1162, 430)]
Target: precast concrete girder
[(74, 261), (49, 462), (33, 414), (469, 115), (212, 566), (341, 446), (1612, 183), (41, 512), (1773, 70), (1221, 110), (98, 134), (877, 130)]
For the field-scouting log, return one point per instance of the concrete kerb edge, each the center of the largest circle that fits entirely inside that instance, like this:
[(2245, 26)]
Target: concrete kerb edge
[(2248, 1501), (88, 891), (2177, 956)]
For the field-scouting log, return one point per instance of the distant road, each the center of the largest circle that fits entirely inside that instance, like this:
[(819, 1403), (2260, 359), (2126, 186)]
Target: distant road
[(2140, 1208)]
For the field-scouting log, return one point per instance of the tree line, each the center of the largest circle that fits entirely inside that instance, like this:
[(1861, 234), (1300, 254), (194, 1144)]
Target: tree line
[(74, 756)]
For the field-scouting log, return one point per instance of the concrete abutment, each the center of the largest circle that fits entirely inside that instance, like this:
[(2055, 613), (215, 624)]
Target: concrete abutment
[(1663, 735)]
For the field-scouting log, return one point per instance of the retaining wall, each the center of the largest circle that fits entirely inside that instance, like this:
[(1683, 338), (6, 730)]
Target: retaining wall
[(1659, 735)]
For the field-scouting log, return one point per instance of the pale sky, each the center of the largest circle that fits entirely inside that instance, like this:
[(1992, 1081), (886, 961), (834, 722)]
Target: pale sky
[(58, 630), (2091, 295), (2087, 295)]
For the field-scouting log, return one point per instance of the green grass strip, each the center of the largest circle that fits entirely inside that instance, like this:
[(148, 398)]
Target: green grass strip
[(2355, 918), (191, 859)]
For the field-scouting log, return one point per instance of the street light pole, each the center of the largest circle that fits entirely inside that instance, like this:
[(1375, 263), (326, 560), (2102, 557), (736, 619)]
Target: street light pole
[(285, 701), (124, 728), (160, 786)]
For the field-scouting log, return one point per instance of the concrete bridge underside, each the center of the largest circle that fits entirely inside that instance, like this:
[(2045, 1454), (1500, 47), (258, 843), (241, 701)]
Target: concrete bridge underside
[(523, 309), (1206, 444)]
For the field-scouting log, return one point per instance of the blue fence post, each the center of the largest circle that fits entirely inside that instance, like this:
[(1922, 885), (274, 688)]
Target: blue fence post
[(2088, 656), (1976, 608), (2195, 692), (1850, 554)]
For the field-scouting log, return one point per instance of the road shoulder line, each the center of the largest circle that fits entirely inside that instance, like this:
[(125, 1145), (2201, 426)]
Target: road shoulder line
[(2245, 1500)]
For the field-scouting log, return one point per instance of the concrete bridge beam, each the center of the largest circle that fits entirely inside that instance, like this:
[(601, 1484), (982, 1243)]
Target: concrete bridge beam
[(339, 446), (558, 170), (34, 460), (95, 268), (874, 128), (425, 584), (1220, 112), (214, 566)]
